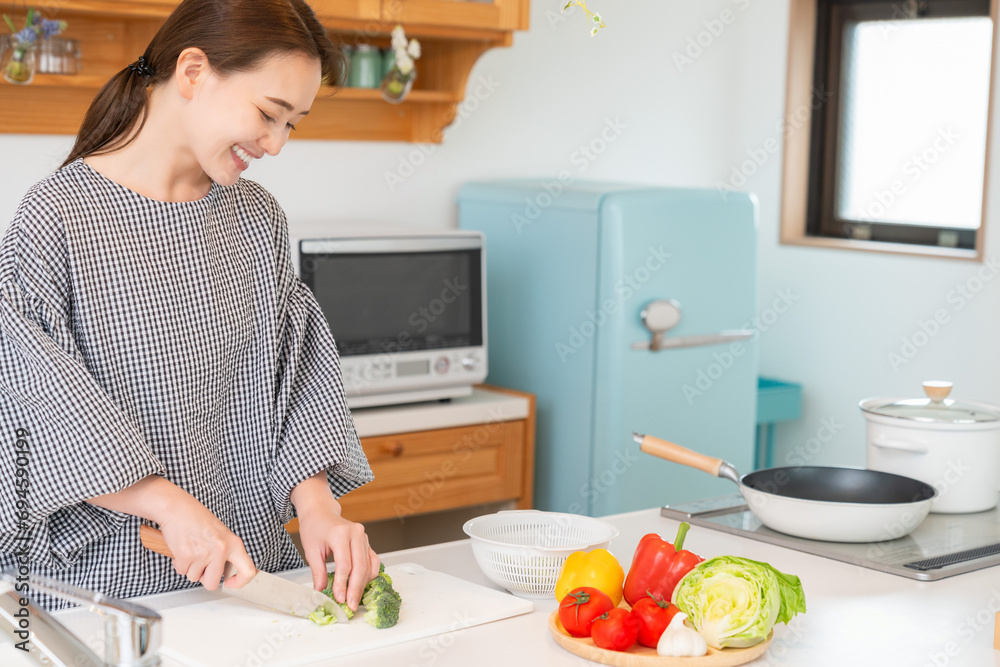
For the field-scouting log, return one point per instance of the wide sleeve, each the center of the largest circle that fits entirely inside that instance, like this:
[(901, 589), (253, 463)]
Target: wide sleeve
[(314, 431), (62, 433)]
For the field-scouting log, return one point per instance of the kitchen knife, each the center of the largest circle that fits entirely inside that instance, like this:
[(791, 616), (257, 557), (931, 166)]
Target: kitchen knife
[(265, 589)]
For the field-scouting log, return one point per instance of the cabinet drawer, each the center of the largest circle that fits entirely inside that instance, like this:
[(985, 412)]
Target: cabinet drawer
[(429, 471)]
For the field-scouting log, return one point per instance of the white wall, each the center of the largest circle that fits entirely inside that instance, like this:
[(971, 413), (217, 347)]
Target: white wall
[(531, 108)]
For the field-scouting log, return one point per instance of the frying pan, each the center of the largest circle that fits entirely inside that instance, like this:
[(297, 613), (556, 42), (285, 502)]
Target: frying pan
[(815, 502)]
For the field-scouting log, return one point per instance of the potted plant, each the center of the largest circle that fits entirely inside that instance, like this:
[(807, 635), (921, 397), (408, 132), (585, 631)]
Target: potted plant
[(19, 56), (398, 81)]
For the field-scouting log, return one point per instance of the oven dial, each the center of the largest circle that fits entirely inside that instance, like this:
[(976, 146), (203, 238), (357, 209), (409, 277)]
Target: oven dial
[(470, 363), (442, 365)]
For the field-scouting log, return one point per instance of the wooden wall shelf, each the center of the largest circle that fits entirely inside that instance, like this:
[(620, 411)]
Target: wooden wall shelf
[(453, 34)]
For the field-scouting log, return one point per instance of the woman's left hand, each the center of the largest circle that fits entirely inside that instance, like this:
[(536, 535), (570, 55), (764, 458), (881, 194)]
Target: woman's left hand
[(323, 532)]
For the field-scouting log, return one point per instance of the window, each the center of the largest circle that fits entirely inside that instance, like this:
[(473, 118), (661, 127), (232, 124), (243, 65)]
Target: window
[(893, 156)]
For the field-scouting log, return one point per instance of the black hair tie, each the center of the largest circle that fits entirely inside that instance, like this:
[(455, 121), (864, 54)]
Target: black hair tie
[(142, 68)]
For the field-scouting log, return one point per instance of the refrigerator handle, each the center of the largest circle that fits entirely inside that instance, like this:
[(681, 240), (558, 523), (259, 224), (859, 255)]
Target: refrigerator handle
[(664, 314)]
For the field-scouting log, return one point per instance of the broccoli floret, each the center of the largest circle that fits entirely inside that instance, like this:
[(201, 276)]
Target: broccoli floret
[(320, 617), (381, 601), (375, 587), (328, 591), (383, 609)]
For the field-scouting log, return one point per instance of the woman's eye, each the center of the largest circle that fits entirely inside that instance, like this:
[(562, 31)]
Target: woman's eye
[(269, 119)]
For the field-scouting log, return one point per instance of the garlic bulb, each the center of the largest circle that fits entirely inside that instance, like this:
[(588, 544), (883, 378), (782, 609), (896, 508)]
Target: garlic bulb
[(680, 641)]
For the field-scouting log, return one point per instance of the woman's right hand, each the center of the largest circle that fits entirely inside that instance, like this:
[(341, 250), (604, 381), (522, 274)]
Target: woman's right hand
[(202, 545)]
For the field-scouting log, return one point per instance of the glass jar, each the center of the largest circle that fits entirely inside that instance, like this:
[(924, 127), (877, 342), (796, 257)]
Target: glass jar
[(58, 56), (18, 61), (366, 67), (388, 61), (396, 85)]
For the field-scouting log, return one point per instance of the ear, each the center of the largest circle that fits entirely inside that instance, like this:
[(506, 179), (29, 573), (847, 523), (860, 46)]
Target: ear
[(192, 69)]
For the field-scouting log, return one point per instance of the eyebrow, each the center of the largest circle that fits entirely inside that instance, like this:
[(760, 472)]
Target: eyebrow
[(285, 105)]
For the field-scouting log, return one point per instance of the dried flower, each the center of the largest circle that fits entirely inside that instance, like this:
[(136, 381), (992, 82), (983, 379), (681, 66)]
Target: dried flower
[(35, 26), (406, 51), (398, 38), (593, 18)]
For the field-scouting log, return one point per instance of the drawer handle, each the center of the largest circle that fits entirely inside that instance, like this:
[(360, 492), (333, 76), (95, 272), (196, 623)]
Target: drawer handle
[(395, 449)]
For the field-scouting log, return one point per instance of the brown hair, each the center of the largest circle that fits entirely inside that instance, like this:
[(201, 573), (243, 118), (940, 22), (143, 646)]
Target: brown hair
[(236, 36)]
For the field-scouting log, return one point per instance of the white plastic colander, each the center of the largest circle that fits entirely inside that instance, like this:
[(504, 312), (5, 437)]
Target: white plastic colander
[(524, 550)]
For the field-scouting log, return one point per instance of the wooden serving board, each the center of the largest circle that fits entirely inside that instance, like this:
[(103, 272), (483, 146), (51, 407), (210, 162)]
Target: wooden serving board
[(643, 656)]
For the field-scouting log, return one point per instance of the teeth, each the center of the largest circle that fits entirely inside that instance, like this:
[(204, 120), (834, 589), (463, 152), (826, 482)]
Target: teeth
[(242, 154)]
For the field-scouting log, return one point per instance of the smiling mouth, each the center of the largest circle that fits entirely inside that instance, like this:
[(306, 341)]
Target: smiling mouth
[(243, 155)]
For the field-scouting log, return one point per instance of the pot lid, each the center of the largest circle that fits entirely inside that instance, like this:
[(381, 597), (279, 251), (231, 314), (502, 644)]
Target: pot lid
[(935, 408)]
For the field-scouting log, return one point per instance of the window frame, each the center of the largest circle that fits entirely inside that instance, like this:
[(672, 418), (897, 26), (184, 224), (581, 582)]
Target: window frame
[(811, 112)]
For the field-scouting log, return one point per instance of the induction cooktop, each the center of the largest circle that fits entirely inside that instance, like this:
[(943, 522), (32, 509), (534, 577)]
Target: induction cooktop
[(942, 546)]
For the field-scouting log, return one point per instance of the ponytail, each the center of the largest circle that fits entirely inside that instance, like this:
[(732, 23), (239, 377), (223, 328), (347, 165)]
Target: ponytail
[(115, 116)]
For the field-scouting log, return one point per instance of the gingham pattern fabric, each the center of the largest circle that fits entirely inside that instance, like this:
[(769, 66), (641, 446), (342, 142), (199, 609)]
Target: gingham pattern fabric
[(140, 337)]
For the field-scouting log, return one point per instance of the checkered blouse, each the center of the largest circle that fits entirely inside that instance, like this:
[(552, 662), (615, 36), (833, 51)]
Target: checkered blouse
[(140, 337)]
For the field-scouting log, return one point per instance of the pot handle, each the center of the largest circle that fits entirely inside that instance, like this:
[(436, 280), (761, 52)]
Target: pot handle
[(902, 445)]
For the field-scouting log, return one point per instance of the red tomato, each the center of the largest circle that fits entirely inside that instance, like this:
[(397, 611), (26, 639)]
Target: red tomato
[(615, 630), (580, 607), (654, 615)]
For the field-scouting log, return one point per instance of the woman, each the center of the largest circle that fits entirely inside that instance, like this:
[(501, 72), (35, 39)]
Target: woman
[(159, 360)]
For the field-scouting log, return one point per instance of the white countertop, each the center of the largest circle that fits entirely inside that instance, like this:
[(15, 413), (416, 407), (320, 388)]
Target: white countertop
[(856, 616), (482, 406)]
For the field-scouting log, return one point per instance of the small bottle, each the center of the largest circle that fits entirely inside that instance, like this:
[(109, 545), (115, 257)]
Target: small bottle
[(388, 61), (366, 67)]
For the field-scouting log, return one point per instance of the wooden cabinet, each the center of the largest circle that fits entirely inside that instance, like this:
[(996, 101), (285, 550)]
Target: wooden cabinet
[(496, 15), (439, 469), (453, 34), (359, 10)]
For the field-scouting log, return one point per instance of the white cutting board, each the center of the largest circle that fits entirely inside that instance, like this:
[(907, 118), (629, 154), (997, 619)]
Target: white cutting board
[(228, 632)]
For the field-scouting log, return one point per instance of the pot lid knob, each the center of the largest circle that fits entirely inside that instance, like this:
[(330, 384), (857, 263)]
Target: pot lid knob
[(937, 390)]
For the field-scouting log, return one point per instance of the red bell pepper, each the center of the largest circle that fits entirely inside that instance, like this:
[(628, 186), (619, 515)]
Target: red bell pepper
[(657, 566)]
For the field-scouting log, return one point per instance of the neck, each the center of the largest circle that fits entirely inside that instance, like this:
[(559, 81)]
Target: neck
[(158, 163)]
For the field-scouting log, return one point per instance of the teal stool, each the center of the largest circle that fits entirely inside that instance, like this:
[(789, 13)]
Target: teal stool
[(777, 401)]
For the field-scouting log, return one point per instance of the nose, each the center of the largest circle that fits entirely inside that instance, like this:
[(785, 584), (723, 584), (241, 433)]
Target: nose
[(272, 142)]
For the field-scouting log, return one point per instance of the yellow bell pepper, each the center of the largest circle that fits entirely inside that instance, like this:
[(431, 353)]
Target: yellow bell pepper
[(597, 568)]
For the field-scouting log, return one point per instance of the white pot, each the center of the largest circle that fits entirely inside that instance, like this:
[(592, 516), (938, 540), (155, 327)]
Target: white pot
[(954, 446)]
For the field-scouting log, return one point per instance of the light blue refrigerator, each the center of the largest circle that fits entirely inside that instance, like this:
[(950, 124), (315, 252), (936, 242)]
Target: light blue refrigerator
[(575, 272)]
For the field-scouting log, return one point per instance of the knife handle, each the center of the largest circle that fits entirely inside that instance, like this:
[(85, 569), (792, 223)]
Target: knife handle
[(152, 539)]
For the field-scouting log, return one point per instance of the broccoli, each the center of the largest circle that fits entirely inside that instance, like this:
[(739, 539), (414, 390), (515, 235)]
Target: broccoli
[(383, 608), (320, 617), (380, 600), (328, 591)]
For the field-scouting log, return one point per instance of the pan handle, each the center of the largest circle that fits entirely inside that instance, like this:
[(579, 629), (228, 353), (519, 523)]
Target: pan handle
[(915, 447), (684, 456)]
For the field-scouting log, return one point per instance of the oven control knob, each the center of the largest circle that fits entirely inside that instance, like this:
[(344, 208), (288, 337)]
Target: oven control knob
[(470, 363), (442, 365)]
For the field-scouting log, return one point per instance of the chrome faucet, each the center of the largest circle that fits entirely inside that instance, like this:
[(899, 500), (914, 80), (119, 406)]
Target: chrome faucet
[(132, 633)]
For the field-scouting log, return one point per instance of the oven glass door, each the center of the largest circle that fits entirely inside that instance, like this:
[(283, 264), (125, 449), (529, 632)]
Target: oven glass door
[(389, 302)]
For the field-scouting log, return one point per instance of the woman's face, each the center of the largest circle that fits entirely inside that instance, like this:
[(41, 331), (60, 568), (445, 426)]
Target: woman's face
[(235, 119)]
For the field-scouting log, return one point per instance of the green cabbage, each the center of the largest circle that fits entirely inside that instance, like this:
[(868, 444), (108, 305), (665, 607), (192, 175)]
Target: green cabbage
[(736, 601)]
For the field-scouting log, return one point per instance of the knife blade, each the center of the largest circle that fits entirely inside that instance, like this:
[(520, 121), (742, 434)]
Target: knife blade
[(265, 589)]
